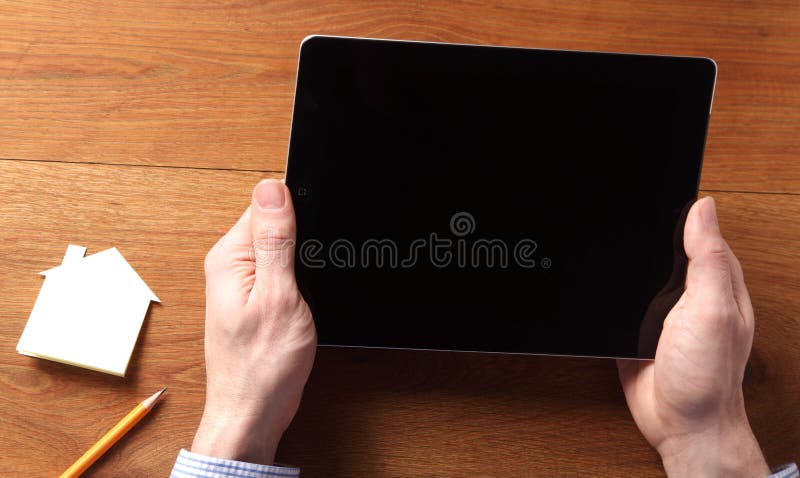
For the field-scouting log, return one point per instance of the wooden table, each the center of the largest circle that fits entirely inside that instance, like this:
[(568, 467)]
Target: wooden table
[(144, 125)]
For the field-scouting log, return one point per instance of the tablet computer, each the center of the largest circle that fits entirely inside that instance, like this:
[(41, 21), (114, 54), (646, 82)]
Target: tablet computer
[(493, 199)]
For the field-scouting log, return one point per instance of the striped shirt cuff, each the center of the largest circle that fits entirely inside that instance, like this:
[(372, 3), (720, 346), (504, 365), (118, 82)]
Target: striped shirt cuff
[(193, 465), (788, 470)]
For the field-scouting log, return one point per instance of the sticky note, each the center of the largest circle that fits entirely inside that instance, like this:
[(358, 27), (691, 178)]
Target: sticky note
[(88, 313)]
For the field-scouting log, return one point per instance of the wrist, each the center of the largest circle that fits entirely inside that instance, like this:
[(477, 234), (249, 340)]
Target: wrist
[(236, 437), (727, 449)]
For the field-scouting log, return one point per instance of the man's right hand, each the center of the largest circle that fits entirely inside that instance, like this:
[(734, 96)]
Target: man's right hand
[(688, 403)]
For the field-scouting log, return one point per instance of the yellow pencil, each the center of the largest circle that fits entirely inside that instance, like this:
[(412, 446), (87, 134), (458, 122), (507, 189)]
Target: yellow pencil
[(108, 440)]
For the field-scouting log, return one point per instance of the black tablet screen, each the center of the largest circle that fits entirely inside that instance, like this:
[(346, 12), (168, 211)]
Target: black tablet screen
[(493, 199)]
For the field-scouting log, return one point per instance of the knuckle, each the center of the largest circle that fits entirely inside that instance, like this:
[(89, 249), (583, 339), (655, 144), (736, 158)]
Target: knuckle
[(737, 267), (272, 240), (271, 249), (212, 259), (735, 261), (730, 310), (718, 249), (725, 312)]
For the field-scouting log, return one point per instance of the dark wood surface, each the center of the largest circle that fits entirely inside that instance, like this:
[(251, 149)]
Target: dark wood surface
[(145, 125)]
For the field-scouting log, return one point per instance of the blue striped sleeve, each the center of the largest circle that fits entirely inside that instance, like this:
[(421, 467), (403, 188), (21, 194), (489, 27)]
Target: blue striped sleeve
[(193, 465), (788, 470)]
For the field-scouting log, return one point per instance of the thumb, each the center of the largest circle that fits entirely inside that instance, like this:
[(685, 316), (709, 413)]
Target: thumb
[(709, 276), (273, 228)]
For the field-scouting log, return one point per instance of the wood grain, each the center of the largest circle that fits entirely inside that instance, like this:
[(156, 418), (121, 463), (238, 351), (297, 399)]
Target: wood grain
[(209, 84), (365, 412)]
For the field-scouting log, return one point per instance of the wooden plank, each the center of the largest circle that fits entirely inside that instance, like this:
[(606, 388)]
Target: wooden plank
[(205, 84), (365, 412)]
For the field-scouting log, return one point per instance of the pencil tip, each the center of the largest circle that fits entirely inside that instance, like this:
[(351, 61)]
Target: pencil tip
[(148, 403), (160, 393)]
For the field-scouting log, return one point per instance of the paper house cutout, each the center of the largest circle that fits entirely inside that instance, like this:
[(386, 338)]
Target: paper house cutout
[(88, 313)]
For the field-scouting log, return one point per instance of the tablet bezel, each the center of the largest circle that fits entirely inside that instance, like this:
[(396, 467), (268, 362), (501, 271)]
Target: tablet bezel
[(289, 168)]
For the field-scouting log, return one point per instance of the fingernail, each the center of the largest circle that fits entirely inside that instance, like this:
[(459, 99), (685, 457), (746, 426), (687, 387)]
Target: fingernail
[(709, 212), (270, 194)]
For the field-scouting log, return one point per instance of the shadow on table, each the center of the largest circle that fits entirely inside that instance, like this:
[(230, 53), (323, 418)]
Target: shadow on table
[(362, 405)]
